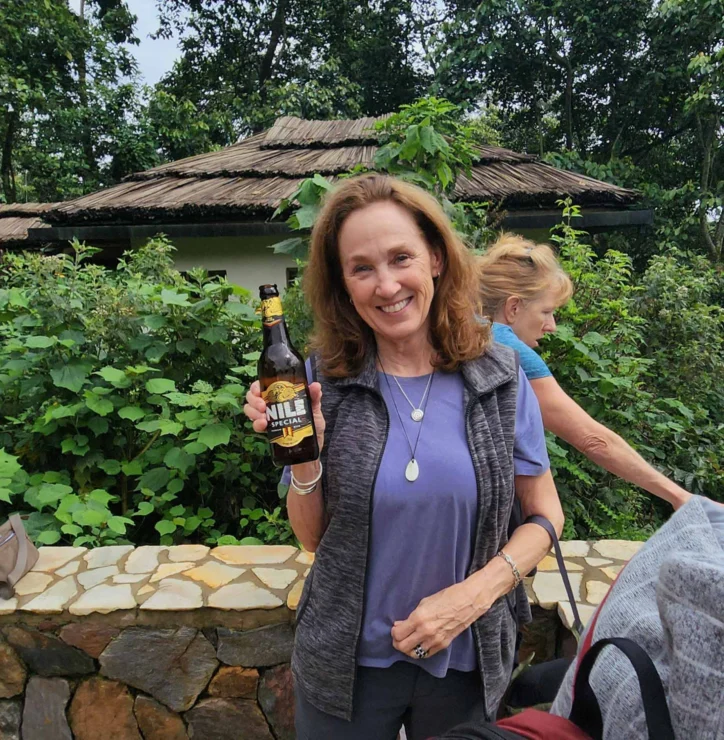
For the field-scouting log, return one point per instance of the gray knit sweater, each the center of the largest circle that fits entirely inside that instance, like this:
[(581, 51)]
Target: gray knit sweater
[(670, 600)]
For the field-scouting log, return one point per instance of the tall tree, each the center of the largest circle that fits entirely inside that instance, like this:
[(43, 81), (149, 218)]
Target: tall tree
[(70, 107), (248, 59)]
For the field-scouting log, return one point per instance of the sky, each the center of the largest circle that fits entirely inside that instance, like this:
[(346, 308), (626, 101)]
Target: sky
[(155, 57)]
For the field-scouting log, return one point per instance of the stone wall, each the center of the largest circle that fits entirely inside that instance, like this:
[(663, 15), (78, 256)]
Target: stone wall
[(169, 643)]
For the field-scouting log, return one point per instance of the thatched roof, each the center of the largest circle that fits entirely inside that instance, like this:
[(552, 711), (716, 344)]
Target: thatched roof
[(17, 218), (249, 179)]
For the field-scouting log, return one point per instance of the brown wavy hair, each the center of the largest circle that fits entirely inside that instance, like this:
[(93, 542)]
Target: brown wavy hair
[(340, 336), (515, 266)]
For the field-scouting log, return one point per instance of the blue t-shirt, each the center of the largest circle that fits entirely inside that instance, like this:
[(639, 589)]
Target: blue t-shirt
[(422, 533), (531, 362)]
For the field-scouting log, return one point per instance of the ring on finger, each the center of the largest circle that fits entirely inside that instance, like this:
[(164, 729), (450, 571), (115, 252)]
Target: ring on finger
[(419, 651)]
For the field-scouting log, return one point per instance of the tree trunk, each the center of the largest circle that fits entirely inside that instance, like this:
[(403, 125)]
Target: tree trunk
[(277, 27), (713, 240), (86, 138), (6, 167)]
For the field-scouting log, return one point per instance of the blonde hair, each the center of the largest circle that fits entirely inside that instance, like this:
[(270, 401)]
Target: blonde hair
[(515, 266), (340, 335)]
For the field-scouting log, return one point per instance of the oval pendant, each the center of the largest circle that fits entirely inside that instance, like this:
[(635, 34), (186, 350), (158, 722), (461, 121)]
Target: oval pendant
[(417, 414), (412, 471)]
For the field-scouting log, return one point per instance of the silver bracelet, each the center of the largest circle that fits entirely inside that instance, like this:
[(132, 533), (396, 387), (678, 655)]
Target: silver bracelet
[(513, 566), (304, 489)]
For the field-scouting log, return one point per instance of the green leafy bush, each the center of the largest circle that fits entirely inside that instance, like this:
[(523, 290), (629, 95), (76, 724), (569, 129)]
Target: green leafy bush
[(121, 403), (644, 355)]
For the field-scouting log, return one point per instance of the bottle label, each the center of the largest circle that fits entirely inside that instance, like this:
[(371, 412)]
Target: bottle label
[(271, 311), (288, 413)]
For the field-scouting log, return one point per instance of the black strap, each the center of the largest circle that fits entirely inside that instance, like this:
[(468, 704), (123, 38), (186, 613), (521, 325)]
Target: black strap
[(541, 521), (586, 713)]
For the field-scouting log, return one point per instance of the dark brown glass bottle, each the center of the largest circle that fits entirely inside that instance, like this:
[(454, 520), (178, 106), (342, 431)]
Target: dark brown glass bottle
[(283, 380)]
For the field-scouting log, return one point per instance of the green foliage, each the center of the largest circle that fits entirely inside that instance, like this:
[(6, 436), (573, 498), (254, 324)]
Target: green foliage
[(121, 403), (644, 356)]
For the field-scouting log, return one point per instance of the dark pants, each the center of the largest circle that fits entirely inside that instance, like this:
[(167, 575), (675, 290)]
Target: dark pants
[(387, 698)]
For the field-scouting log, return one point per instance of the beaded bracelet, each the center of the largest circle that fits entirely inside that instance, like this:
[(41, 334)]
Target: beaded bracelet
[(304, 489)]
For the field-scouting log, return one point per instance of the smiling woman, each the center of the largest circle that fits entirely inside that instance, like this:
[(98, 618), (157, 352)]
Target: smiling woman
[(428, 433)]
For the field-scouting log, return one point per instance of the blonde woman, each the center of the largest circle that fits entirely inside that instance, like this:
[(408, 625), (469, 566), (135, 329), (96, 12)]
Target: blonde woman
[(522, 286)]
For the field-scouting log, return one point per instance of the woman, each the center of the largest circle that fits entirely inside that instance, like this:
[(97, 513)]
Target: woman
[(522, 285), (427, 433)]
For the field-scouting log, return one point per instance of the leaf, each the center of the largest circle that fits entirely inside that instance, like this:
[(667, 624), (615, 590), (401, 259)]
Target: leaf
[(49, 537), (40, 342), (118, 524), (167, 426), (236, 308), (195, 448), (132, 467), (90, 517), (213, 435), (306, 216), (72, 529), (172, 298), (175, 486), (192, 524), (160, 385), (214, 334), (9, 464), (99, 496), (114, 376), (51, 493), (71, 376), (131, 412), (296, 247), (250, 541), (178, 459), (154, 321), (101, 406), (165, 527), (98, 426), (155, 479), (111, 467), (186, 346), (145, 508)]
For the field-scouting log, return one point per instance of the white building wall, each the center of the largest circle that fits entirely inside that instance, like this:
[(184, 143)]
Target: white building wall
[(247, 260)]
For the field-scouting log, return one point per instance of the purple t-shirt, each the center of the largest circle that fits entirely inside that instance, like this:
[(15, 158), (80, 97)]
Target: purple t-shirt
[(422, 533)]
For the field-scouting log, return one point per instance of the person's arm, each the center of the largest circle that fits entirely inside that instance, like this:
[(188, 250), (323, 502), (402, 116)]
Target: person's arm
[(440, 618), (567, 420), (307, 514)]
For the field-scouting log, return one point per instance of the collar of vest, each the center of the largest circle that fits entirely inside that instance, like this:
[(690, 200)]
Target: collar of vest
[(492, 369)]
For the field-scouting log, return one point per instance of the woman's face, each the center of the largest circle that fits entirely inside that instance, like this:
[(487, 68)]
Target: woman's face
[(532, 320), (388, 269)]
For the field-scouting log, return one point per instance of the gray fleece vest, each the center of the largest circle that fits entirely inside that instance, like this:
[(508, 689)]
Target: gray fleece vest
[(329, 616)]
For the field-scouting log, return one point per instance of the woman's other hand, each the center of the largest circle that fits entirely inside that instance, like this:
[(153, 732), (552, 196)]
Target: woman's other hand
[(255, 409), (439, 619)]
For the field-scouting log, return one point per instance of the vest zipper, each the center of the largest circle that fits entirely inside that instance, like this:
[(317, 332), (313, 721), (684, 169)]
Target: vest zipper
[(369, 531), (476, 462)]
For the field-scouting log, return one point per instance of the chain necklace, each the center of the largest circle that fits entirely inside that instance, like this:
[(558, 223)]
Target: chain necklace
[(412, 471), (417, 413)]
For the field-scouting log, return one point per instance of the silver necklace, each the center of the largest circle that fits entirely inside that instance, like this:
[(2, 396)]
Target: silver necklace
[(412, 471), (417, 413)]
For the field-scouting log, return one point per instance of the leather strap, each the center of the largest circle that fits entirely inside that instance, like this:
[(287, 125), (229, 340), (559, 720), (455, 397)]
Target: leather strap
[(586, 712), (541, 521)]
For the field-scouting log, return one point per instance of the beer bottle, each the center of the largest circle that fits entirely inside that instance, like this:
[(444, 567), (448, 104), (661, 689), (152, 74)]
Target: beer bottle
[(283, 381)]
